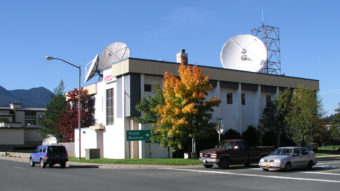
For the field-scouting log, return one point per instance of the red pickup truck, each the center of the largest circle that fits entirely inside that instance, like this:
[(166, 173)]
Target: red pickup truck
[(233, 151)]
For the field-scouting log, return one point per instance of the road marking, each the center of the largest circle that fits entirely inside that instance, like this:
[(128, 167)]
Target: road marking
[(20, 168), (323, 163), (324, 173), (257, 175)]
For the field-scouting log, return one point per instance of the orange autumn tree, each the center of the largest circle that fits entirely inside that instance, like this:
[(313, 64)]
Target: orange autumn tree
[(186, 112)]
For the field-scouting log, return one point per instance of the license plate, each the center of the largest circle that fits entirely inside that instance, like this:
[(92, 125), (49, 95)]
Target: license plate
[(267, 165)]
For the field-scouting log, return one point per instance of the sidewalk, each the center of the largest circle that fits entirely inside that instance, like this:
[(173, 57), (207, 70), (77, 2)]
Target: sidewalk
[(24, 157), (71, 164)]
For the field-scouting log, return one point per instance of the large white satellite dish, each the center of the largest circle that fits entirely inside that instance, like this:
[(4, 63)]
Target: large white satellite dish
[(113, 53), (244, 52), (91, 68)]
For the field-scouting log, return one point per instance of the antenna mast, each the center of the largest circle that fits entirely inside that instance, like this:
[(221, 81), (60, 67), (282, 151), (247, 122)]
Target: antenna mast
[(271, 38)]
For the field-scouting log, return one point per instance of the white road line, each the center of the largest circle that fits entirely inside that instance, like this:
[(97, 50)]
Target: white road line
[(323, 163), (257, 175), (324, 173), (20, 168)]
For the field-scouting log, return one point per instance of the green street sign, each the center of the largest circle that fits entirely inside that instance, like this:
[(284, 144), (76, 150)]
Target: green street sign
[(138, 135)]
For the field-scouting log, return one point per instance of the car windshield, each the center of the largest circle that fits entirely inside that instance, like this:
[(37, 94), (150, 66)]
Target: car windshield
[(282, 151), (56, 149)]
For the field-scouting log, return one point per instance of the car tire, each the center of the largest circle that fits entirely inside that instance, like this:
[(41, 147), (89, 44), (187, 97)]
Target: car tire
[(32, 162), (224, 163), (310, 165), (63, 164), (208, 165), (50, 165), (42, 163), (288, 167), (265, 169)]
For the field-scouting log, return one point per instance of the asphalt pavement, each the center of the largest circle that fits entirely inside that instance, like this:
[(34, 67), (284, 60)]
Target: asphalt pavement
[(16, 174)]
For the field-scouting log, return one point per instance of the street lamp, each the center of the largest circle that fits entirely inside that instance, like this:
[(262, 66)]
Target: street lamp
[(79, 69)]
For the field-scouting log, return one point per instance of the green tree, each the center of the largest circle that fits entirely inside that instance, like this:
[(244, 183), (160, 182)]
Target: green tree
[(270, 123), (148, 106), (335, 127), (304, 115), (49, 120)]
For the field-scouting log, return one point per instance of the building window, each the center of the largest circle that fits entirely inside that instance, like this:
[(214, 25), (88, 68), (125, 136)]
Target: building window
[(229, 98), (109, 106), (147, 87), (243, 99), (268, 99), (30, 118)]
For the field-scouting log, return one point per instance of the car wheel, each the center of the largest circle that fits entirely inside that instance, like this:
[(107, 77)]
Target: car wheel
[(42, 163), (310, 165), (50, 165), (32, 162), (224, 163), (63, 164), (288, 167), (208, 165), (265, 169)]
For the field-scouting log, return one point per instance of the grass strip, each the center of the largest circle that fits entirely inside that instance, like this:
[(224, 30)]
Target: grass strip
[(173, 162)]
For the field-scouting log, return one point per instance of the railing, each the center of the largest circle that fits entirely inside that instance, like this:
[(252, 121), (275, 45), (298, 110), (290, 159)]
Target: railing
[(10, 124)]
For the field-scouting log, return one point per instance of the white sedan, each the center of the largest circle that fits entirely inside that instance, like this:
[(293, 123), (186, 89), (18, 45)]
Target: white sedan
[(287, 158)]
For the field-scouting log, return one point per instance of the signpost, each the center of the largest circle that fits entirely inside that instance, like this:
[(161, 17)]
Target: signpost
[(219, 128), (138, 135)]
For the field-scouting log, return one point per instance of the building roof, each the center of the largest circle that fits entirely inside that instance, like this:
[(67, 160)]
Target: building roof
[(24, 109), (153, 67)]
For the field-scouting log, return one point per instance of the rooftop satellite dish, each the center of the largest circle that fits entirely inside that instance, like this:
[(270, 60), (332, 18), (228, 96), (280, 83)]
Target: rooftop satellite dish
[(244, 52), (113, 53), (91, 68)]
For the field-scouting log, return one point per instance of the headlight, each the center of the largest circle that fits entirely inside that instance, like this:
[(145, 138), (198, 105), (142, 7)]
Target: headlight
[(214, 156), (277, 162), (262, 160)]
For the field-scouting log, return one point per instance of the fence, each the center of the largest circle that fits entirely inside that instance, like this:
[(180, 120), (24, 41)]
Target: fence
[(70, 149)]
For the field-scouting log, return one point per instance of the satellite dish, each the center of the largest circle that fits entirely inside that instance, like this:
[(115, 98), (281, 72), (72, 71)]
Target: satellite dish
[(244, 52), (91, 68), (113, 53)]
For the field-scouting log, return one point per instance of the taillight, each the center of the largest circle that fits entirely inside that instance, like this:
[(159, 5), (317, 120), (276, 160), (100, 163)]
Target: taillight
[(46, 156), (201, 155)]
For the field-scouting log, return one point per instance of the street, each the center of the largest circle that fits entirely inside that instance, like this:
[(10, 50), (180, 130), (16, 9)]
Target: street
[(16, 175)]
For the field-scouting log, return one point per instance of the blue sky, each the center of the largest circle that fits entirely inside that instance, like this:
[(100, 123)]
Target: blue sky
[(154, 29)]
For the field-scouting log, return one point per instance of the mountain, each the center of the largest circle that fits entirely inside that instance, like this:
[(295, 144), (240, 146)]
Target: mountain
[(35, 97)]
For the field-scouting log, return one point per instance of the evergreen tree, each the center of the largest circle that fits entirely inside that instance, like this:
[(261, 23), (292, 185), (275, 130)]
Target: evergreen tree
[(49, 120), (148, 106)]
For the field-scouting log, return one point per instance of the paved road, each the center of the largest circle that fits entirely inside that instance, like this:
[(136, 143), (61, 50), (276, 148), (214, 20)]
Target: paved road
[(20, 176)]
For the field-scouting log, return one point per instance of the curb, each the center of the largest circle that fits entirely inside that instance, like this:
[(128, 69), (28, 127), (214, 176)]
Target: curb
[(328, 157)]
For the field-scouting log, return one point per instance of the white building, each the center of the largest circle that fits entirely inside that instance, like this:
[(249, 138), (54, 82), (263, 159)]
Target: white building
[(243, 97)]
